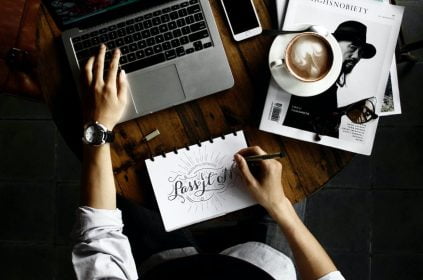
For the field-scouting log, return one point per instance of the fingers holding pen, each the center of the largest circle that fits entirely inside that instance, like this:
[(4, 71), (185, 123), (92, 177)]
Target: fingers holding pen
[(257, 168), (245, 170), (263, 178), (251, 151), (256, 172)]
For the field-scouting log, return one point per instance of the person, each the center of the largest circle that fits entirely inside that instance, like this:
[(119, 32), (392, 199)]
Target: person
[(320, 114), (103, 251)]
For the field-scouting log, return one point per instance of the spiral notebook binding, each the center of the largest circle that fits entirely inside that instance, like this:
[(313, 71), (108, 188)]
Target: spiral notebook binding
[(198, 142)]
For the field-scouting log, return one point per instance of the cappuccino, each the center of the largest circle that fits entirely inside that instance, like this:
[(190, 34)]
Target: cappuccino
[(308, 57)]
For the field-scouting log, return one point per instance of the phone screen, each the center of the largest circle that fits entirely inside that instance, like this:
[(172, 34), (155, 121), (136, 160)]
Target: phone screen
[(241, 15)]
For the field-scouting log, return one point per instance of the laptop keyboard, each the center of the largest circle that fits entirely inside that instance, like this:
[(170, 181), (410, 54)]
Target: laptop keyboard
[(152, 38)]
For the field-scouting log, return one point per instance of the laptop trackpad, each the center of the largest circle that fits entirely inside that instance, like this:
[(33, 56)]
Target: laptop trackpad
[(157, 89)]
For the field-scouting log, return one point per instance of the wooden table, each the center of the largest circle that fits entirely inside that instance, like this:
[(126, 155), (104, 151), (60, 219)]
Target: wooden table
[(306, 168)]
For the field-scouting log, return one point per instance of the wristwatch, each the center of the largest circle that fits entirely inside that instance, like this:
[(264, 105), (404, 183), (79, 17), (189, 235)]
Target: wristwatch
[(96, 134)]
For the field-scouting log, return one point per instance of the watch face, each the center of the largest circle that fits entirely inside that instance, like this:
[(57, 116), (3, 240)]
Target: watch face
[(94, 135)]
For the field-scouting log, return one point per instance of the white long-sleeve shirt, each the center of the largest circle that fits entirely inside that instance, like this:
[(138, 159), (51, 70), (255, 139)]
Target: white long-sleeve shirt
[(102, 251)]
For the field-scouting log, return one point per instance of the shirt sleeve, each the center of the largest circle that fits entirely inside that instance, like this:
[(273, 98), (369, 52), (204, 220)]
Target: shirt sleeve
[(336, 275), (101, 251), (274, 262)]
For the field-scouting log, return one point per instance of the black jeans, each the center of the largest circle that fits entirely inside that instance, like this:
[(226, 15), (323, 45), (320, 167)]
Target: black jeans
[(147, 236), (145, 231)]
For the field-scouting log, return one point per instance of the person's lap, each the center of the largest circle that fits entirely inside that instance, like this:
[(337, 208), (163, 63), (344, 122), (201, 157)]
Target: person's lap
[(147, 235), (145, 231)]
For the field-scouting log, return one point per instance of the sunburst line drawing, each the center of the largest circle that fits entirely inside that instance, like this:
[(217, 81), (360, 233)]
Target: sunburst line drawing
[(215, 206), (218, 200), (190, 160), (211, 156), (187, 161)]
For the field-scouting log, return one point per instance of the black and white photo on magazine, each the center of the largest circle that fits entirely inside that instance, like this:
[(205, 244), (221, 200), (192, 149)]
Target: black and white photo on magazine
[(321, 114), (391, 104), (346, 115)]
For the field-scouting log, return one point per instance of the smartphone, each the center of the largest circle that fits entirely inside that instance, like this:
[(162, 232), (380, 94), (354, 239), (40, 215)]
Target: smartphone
[(242, 18)]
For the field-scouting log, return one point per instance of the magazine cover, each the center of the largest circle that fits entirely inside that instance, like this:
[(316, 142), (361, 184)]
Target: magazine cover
[(346, 115), (391, 101)]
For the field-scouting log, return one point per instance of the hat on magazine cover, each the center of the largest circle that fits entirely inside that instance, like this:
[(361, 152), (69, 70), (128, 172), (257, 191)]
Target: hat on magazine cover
[(356, 32)]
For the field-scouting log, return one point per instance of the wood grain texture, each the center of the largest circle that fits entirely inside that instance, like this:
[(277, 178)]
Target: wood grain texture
[(306, 168)]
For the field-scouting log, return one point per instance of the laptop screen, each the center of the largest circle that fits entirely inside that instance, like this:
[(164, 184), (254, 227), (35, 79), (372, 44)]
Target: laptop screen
[(72, 12)]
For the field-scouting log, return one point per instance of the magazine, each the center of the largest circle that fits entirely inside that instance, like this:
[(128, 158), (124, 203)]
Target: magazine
[(391, 101), (346, 115)]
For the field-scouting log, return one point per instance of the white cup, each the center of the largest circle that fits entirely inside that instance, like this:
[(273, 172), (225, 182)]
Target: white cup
[(308, 57)]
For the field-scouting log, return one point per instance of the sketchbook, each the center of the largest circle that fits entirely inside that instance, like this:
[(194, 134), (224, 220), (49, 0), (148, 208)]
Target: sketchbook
[(199, 182)]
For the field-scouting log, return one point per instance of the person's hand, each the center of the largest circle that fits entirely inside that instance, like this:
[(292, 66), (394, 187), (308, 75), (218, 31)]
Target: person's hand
[(106, 98), (265, 184)]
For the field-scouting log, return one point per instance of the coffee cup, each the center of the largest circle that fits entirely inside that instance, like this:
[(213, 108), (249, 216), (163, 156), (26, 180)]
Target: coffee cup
[(308, 57)]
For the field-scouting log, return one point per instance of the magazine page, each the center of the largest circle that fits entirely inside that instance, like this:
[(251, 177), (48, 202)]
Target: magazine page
[(280, 10), (391, 101), (327, 118)]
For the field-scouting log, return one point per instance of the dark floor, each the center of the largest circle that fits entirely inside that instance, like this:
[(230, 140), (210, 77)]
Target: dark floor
[(369, 217)]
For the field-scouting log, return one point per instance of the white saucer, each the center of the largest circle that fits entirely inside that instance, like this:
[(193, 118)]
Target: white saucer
[(291, 84)]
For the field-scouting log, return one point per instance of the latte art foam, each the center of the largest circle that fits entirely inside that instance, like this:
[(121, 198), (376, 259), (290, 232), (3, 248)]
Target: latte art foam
[(309, 57)]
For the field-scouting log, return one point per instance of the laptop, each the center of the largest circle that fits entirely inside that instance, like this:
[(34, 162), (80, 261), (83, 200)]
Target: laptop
[(171, 50)]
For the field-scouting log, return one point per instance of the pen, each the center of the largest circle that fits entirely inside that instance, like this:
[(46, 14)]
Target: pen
[(264, 157)]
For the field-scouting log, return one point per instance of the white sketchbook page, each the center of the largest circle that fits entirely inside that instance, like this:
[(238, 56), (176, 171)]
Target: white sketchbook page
[(211, 169)]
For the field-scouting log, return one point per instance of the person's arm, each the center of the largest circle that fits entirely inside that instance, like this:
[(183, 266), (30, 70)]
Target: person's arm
[(104, 102), (312, 260), (101, 251), (97, 184)]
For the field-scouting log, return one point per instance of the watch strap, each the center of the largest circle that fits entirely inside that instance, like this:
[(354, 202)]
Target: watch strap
[(109, 137)]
